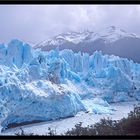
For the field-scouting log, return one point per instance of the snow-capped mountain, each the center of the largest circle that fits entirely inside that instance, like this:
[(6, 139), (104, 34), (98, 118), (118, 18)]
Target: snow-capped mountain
[(111, 40), (71, 37)]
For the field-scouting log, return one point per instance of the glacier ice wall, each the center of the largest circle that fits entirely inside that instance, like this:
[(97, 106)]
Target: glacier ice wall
[(41, 100), (37, 85), (16, 52)]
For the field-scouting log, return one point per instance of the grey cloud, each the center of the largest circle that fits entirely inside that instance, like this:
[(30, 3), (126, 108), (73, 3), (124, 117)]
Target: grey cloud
[(35, 23)]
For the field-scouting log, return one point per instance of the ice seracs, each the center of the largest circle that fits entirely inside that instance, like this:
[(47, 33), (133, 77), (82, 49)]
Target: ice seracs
[(16, 52)]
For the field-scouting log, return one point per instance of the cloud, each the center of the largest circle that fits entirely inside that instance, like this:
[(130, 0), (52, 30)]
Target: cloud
[(35, 23)]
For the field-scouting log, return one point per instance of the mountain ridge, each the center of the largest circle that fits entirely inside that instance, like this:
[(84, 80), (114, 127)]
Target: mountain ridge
[(111, 40)]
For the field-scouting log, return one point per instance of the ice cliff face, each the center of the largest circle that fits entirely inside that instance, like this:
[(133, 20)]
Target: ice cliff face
[(38, 86), (16, 52), (39, 100)]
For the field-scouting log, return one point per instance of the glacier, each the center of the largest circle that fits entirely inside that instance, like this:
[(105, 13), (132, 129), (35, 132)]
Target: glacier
[(50, 103), (38, 85)]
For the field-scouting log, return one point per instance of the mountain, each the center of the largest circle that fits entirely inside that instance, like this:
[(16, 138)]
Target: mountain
[(111, 40)]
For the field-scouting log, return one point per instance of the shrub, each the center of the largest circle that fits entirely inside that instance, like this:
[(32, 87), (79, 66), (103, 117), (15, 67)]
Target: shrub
[(79, 130), (51, 132), (22, 133), (131, 124)]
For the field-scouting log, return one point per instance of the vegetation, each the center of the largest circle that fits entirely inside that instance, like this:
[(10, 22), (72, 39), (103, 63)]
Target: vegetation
[(125, 126), (22, 133)]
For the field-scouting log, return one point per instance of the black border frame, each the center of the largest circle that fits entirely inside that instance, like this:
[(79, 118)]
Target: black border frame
[(70, 2), (82, 2)]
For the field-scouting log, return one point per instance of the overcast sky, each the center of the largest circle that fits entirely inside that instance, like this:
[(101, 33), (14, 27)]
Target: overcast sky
[(35, 23)]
